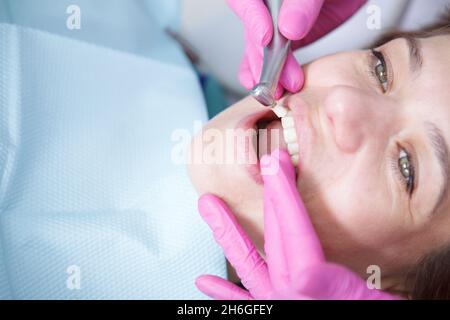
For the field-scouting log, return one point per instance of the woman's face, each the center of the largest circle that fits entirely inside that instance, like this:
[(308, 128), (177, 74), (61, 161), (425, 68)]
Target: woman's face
[(373, 160)]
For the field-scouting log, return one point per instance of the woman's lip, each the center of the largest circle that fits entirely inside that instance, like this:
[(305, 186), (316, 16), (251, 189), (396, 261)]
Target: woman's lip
[(303, 127), (246, 123)]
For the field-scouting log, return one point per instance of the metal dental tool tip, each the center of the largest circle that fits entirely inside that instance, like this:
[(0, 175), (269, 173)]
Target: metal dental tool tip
[(275, 55)]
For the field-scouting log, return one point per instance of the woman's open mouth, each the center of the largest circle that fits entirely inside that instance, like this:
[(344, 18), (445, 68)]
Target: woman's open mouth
[(269, 135), (273, 129), (276, 130)]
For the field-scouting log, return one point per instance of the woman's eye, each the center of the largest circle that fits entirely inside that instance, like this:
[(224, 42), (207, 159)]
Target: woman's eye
[(380, 70), (406, 170)]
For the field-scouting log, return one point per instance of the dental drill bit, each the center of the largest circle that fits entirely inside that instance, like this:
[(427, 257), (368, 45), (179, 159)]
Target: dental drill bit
[(275, 55)]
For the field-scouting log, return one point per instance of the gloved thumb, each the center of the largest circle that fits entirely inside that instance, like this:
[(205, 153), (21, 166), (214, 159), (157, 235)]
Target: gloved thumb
[(297, 17), (256, 18)]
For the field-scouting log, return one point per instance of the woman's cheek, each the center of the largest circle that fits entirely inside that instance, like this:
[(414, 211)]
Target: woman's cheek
[(319, 75), (357, 214)]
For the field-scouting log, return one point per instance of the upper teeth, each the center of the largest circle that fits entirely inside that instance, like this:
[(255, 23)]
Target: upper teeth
[(289, 132)]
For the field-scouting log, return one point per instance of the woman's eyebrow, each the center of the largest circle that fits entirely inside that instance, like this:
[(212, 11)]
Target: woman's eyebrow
[(415, 54), (440, 148)]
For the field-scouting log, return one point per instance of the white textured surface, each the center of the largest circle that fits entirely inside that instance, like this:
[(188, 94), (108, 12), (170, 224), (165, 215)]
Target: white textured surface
[(91, 182)]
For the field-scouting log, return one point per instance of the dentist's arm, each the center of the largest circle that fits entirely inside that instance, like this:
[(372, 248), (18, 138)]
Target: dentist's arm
[(302, 21), (295, 267)]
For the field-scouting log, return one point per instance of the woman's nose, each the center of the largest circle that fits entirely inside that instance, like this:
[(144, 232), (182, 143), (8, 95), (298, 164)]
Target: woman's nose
[(353, 117)]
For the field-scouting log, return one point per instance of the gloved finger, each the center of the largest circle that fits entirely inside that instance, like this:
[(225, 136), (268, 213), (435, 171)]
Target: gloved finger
[(297, 17), (273, 244), (276, 257), (279, 91), (292, 77), (245, 74), (255, 57), (249, 76), (335, 282), (321, 282), (300, 243), (332, 15), (256, 18), (221, 289), (237, 246)]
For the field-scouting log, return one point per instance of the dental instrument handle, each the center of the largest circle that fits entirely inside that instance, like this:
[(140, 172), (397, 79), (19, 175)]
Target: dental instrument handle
[(275, 55)]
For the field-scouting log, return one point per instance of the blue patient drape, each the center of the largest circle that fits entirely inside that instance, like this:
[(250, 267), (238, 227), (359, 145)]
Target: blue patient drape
[(88, 186)]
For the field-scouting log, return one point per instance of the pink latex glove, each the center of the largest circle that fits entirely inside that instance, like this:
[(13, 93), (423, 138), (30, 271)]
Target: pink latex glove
[(295, 267), (302, 21)]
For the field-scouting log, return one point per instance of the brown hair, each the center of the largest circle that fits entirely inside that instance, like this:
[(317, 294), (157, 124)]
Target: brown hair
[(429, 278)]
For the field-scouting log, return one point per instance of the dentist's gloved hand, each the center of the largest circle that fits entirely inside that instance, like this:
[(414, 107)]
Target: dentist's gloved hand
[(302, 21), (295, 267)]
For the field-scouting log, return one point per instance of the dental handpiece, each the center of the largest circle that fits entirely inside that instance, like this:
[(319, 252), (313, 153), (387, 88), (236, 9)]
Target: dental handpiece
[(275, 55)]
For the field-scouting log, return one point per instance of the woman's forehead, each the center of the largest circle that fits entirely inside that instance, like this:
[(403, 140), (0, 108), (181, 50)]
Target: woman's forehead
[(433, 83), (436, 55)]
